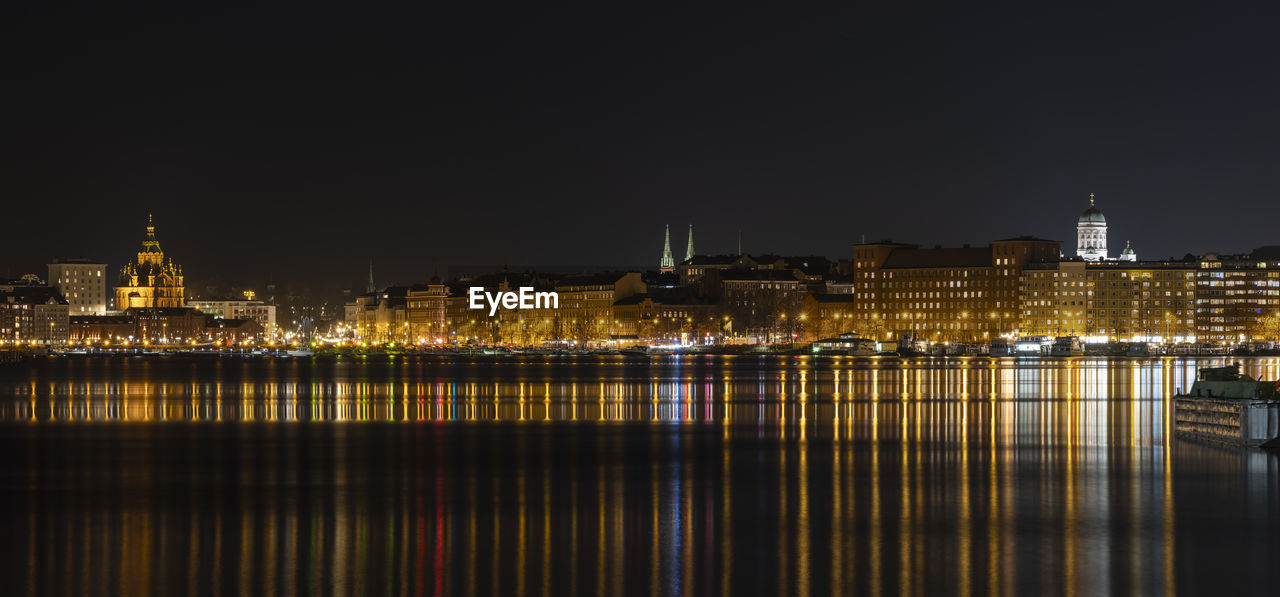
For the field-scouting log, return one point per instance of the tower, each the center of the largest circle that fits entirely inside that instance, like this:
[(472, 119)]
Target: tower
[(668, 264), (152, 281), (151, 252), (1127, 254), (688, 252), (370, 288), (1091, 234)]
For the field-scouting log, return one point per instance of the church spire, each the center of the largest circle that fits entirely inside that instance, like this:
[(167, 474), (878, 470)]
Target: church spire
[(370, 287), (688, 253), (150, 242), (668, 264)]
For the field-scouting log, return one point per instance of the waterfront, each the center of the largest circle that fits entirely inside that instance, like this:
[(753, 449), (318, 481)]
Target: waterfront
[(703, 475)]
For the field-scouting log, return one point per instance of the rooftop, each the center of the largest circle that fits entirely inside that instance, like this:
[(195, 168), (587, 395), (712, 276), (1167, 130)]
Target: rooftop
[(938, 257)]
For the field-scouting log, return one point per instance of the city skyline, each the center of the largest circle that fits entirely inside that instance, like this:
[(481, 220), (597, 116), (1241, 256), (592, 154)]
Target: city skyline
[(1021, 286), (1073, 246)]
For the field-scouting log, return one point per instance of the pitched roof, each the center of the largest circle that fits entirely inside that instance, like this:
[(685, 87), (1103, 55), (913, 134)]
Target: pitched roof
[(1025, 238), (32, 295), (714, 259), (774, 275)]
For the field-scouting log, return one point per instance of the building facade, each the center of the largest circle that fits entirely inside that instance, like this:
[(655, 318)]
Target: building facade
[(826, 315), (763, 305), (694, 269), (667, 316), (32, 315), (163, 326), (966, 294), (1235, 294), (381, 316), (82, 283), (226, 308), (151, 281), (1102, 301), (586, 304), (426, 312), (1091, 234)]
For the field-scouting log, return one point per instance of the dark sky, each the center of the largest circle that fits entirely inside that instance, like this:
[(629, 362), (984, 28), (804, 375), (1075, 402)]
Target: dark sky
[(301, 142)]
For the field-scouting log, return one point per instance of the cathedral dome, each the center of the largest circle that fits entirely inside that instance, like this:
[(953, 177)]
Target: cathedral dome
[(1093, 214)]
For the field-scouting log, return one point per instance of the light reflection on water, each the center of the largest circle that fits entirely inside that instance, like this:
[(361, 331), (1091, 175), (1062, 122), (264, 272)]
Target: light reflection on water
[(698, 476)]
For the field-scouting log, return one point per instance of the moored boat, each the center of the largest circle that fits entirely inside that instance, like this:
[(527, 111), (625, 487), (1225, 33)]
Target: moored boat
[(845, 344), (1001, 347), (1066, 346), (1227, 406)]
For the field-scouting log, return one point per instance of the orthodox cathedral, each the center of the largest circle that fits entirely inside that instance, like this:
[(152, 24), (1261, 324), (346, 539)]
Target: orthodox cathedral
[(1091, 237), (151, 281)]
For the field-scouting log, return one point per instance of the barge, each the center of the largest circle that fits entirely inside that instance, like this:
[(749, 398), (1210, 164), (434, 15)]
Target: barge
[(1227, 406)]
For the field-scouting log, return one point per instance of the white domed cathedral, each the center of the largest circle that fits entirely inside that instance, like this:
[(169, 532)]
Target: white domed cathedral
[(1091, 236)]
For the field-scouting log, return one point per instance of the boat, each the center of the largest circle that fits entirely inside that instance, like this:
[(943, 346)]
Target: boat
[(1001, 347), (634, 352), (1227, 406), (1066, 346), (1142, 349), (1029, 347), (301, 352), (845, 344)]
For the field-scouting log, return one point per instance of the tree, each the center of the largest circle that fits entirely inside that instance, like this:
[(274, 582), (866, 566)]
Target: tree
[(1267, 328)]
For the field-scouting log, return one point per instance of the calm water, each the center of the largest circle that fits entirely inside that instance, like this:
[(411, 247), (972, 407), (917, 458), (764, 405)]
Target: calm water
[(722, 476)]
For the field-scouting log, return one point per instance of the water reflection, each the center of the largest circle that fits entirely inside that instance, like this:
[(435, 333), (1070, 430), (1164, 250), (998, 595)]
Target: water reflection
[(1032, 398), (726, 476)]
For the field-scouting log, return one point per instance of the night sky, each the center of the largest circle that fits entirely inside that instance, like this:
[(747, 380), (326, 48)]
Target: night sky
[(300, 143)]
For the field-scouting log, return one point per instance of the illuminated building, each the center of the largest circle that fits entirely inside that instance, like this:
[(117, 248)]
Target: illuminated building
[(694, 269), (586, 303), (228, 308), (33, 314), (824, 315), (525, 327), (381, 316), (82, 282), (1091, 237), (1127, 254), (102, 329), (169, 325), (1109, 300), (668, 316), (943, 294), (234, 330), (1091, 234), (838, 285), (1235, 293), (151, 281), (425, 310), (172, 326), (466, 325), (764, 304)]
